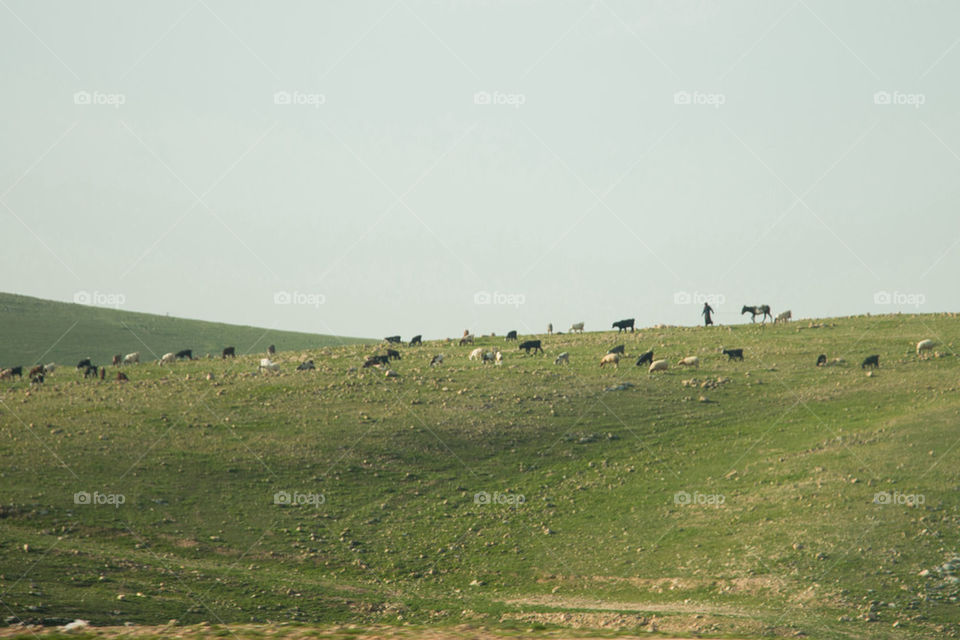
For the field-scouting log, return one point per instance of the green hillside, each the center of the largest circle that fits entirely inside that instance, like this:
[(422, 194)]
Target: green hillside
[(768, 497), (36, 330)]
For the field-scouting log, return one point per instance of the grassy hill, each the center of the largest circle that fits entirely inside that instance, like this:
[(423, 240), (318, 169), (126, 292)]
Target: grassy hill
[(36, 330), (768, 497)]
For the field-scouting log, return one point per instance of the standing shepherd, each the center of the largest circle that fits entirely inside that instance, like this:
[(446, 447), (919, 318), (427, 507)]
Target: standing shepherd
[(707, 310)]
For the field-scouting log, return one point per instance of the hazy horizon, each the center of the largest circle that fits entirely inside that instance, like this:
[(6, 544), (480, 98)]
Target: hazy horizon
[(426, 167)]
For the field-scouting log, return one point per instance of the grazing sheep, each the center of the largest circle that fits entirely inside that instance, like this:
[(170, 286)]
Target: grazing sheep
[(623, 325), (122, 377), (306, 366), (870, 361), (617, 349), (49, 368), (476, 353), (90, 371), (417, 339), (512, 335), (229, 352), (271, 350), (467, 339), (132, 358), (488, 356), (563, 358), (531, 344), (375, 360), (83, 364), (822, 360), (16, 371), (498, 357), (6, 374), (37, 379), (689, 361), (924, 345), (437, 359), (37, 370), (167, 358), (657, 365), (393, 339), (393, 354), (733, 354), (645, 358), (786, 316), (117, 359), (185, 353), (838, 361), (611, 358), (265, 363), (576, 326)]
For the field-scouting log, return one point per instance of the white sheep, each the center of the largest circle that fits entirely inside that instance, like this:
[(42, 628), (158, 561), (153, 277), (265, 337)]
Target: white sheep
[(167, 358), (786, 316), (563, 358), (269, 366), (924, 345), (498, 357), (476, 353), (611, 358), (132, 358), (689, 361), (576, 326), (657, 365)]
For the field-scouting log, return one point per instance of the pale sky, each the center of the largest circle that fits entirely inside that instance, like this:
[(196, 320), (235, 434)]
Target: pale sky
[(489, 165)]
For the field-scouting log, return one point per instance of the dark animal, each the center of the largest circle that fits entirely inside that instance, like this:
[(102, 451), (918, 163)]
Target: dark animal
[(645, 358), (229, 352), (418, 339), (617, 349), (733, 354), (185, 353), (122, 377), (90, 370), (870, 361), (39, 369), (756, 311), (623, 325), (306, 366), (375, 360), (117, 360), (271, 350), (821, 360), (393, 339), (437, 359), (103, 373), (37, 379), (83, 364), (392, 354), (512, 335), (16, 371), (531, 344)]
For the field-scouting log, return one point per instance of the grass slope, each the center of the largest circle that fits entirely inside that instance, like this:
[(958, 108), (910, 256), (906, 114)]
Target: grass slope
[(781, 461), (36, 330)]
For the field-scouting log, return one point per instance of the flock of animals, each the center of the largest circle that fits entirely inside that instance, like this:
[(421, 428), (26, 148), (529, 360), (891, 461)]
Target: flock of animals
[(613, 357)]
